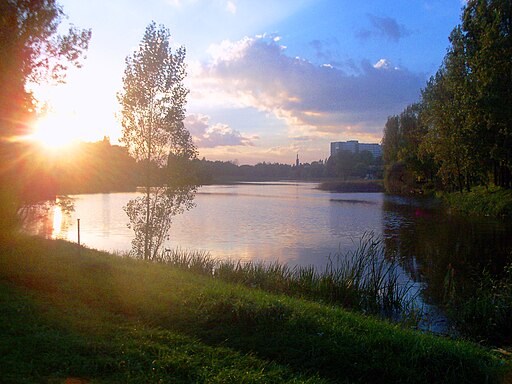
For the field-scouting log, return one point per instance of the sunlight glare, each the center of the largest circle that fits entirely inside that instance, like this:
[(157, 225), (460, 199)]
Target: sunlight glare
[(54, 131), (57, 222)]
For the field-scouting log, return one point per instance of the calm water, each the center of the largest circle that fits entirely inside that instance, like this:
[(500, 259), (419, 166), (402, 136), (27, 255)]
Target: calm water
[(295, 223), (291, 222)]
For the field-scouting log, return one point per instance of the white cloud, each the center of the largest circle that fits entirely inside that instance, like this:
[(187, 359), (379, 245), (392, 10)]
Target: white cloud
[(229, 51), (231, 7), (206, 135), (181, 3), (312, 99), (382, 64)]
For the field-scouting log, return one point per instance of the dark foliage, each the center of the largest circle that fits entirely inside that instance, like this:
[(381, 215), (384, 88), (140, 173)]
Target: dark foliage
[(460, 134)]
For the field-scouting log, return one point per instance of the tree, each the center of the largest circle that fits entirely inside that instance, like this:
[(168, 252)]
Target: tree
[(391, 140), (406, 167), (153, 109), (31, 51), (444, 112), (487, 39), (462, 128)]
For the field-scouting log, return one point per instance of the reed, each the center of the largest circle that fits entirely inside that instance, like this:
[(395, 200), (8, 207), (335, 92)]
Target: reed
[(363, 280)]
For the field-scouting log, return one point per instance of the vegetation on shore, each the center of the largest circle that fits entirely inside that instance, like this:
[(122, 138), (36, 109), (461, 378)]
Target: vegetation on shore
[(350, 186), (492, 201), (364, 280), (103, 318)]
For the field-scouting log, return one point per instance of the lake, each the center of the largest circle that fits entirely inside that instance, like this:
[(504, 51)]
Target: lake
[(293, 223), (297, 224)]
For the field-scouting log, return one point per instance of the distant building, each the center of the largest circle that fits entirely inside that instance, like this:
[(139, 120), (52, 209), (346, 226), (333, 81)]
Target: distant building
[(374, 149), (355, 146)]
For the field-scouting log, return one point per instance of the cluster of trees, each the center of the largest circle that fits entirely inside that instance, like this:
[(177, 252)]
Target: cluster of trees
[(460, 134), (88, 168), (354, 165), (210, 172)]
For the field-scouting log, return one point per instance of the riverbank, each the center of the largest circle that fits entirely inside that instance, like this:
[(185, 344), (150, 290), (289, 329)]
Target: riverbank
[(482, 201), (352, 186), (98, 317)]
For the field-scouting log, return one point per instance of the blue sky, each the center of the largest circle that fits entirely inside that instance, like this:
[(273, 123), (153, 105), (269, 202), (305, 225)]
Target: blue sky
[(267, 79)]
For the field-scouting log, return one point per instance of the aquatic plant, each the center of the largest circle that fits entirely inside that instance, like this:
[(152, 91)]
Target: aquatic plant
[(363, 279)]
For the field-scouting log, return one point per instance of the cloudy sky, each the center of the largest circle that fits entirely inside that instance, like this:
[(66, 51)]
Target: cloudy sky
[(270, 78)]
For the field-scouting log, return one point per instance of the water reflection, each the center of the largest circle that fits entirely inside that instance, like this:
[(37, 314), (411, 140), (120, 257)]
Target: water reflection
[(57, 222), (49, 219), (432, 245), (105, 209)]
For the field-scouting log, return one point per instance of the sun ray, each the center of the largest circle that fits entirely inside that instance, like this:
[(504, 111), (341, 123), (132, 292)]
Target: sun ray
[(54, 131)]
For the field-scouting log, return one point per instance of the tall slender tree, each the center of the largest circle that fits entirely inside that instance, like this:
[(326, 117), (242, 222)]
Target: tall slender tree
[(153, 109)]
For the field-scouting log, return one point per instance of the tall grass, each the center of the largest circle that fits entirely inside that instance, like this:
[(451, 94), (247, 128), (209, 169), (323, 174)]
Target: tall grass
[(363, 280)]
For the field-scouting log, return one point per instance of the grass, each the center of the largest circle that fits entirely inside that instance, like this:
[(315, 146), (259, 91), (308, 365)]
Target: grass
[(107, 348), (363, 280), (491, 201), (101, 318)]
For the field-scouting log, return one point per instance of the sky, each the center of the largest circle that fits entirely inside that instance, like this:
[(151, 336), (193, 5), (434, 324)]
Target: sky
[(268, 79)]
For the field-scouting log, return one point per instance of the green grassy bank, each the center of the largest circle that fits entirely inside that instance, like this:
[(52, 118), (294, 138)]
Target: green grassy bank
[(491, 201), (96, 317)]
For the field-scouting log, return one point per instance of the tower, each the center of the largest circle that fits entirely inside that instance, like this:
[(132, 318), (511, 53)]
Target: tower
[(297, 161)]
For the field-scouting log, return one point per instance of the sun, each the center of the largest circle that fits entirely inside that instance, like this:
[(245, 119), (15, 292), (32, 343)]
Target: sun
[(54, 131)]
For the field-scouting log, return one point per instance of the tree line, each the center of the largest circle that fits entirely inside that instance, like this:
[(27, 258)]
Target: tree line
[(344, 165), (459, 135), (85, 168)]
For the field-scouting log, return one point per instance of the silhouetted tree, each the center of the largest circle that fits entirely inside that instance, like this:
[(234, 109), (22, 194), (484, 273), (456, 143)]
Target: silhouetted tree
[(153, 109), (31, 51)]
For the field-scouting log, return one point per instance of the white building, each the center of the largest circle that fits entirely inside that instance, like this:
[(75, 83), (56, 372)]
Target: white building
[(355, 147)]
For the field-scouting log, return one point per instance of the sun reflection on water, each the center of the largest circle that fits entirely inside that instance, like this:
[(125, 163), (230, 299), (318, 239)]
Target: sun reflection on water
[(57, 223)]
